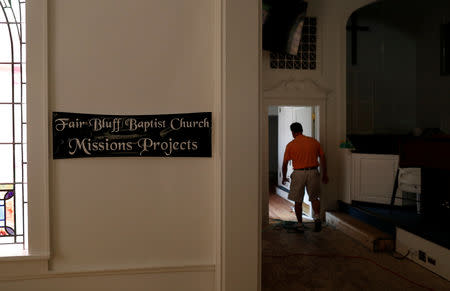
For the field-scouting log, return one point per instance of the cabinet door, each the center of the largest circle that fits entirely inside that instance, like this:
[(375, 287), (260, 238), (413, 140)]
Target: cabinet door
[(373, 177)]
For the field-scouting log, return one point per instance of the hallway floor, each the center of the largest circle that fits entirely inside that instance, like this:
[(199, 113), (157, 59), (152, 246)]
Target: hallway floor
[(330, 260)]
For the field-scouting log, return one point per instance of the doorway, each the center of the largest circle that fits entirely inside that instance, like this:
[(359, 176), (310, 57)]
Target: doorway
[(279, 135)]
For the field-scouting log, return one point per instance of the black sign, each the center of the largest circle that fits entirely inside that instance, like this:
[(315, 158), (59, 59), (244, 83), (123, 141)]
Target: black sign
[(77, 135)]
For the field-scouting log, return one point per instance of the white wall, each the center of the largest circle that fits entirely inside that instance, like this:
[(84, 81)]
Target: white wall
[(135, 60), (133, 57), (241, 145)]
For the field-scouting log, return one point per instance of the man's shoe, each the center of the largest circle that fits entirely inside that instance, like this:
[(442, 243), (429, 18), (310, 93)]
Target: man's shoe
[(294, 227), (300, 228), (317, 225)]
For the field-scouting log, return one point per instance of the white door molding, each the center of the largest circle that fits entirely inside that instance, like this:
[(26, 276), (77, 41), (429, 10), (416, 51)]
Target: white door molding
[(304, 92), (297, 89)]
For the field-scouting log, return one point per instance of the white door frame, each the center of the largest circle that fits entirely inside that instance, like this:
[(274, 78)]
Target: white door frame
[(285, 100)]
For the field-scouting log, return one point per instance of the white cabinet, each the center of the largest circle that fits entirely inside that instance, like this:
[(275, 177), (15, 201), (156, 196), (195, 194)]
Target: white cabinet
[(372, 177)]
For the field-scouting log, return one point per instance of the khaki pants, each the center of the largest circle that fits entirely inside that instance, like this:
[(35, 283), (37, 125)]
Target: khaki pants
[(301, 179)]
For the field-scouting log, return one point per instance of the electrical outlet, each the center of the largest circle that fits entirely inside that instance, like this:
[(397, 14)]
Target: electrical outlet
[(428, 255), (422, 256)]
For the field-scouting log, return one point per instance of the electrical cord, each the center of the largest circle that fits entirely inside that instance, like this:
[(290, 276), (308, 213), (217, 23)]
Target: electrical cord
[(401, 257), (350, 257)]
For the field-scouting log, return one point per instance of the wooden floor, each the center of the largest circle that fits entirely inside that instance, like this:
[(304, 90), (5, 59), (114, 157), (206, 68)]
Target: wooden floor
[(282, 209), (331, 260)]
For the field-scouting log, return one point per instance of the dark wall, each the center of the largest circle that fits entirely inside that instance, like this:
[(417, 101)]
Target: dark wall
[(396, 85), (273, 148), (433, 90), (381, 88)]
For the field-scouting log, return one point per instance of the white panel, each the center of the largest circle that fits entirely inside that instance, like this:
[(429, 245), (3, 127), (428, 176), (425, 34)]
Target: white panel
[(408, 243), (373, 177), (303, 115), (377, 177)]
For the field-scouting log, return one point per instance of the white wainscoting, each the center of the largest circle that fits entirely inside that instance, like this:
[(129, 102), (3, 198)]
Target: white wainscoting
[(372, 177)]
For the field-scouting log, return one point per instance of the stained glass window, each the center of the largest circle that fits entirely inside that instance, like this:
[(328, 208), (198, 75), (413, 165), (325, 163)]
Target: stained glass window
[(13, 159)]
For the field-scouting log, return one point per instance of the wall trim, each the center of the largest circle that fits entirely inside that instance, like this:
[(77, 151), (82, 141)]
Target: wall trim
[(26, 257), (113, 272), (218, 134), (293, 88), (38, 128)]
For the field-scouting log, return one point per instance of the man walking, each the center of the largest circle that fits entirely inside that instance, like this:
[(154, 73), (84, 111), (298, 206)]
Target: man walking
[(304, 152)]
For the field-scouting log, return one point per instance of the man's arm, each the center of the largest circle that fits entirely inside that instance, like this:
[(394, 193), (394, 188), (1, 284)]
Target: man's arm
[(323, 168), (286, 159)]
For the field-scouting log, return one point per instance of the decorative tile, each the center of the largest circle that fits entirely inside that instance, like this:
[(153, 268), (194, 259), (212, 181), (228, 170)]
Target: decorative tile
[(306, 58)]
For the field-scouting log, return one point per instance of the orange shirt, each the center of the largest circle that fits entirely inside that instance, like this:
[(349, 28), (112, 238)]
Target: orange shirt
[(303, 151)]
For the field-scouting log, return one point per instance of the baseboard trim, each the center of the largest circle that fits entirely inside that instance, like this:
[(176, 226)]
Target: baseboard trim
[(113, 272), (283, 188)]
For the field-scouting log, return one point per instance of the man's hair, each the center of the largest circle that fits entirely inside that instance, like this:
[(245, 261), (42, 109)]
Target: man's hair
[(296, 127)]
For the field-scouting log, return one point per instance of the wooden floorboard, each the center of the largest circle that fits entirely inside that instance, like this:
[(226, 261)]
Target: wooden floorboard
[(280, 208), (369, 236)]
